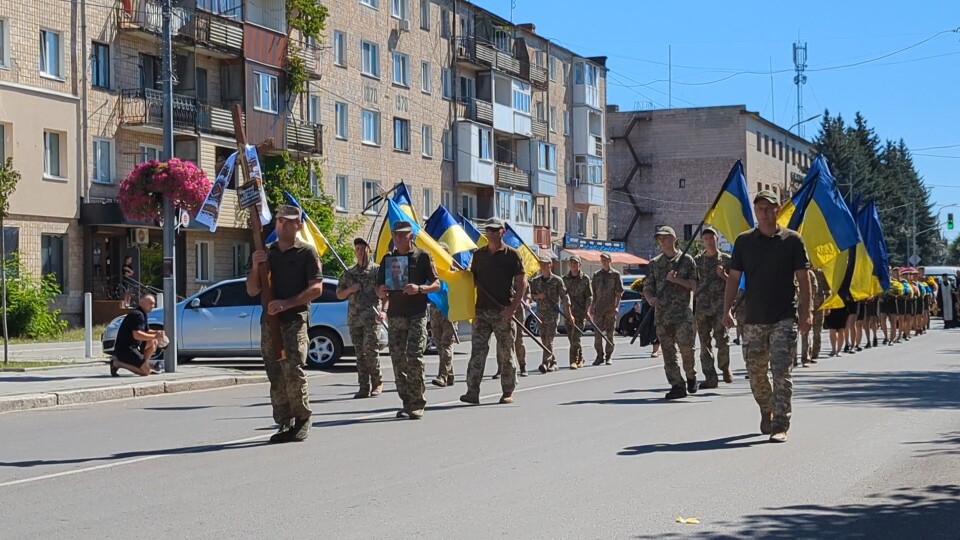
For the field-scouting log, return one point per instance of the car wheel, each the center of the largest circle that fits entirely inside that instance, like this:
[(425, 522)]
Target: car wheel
[(532, 325), (324, 348)]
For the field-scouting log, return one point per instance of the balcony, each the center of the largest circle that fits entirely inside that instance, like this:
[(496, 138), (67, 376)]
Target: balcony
[(538, 77), (542, 236), (539, 129), (215, 120), (478, 54), (304, 136), (142, 108), (476, 110), (510, 176), (221, 37), (312, 58), (588, 194)]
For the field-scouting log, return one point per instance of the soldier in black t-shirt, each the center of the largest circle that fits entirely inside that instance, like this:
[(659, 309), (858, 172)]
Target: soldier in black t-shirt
[(134, 334)]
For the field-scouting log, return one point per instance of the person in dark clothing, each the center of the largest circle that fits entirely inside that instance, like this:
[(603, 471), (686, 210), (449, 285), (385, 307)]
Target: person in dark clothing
[(136, 343)]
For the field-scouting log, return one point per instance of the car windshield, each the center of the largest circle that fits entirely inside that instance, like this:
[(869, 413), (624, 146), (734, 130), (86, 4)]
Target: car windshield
[(227, 295)]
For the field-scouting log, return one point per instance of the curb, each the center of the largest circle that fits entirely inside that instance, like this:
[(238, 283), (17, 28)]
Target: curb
[(25, 402), (92, 362)]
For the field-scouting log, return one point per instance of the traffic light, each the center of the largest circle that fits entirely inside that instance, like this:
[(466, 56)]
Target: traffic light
[(950, 221)]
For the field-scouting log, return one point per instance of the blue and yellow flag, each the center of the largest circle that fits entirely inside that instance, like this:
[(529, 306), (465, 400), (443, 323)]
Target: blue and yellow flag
[(442, 226), (531, 263), (309, 234), (868, 221), (401, 196), (461, 294), (731, 213), (474, 234)]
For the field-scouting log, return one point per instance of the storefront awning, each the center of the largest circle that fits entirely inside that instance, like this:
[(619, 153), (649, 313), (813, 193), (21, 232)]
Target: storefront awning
[(616, 257)]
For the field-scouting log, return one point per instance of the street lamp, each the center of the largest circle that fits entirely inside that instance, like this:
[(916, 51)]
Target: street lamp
[(786, 185)]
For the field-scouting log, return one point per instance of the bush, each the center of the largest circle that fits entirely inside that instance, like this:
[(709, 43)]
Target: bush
[(28, 303)]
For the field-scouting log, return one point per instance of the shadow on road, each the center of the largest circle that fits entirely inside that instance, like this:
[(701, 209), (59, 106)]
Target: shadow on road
[(947, 445), (186, 450), (903, 389), (928, 512), (182, 408), (725, 443)]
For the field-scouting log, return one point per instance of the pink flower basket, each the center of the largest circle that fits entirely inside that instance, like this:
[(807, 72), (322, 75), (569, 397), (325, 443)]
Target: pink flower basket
[(143, 190)]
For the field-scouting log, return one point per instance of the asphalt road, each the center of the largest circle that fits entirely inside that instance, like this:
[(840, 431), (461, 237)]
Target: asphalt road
[(594, 453)]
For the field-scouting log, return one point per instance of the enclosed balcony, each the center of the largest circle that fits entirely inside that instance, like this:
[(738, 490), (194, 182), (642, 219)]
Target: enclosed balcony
[(540, 158), (511, 107), (587, 131), (589, 194), (474, 154)]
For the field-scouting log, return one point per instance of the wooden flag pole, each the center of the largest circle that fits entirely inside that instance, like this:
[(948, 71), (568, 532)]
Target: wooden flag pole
[(266, 287)]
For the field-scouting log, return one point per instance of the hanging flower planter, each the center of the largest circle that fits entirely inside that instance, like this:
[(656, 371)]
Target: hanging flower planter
[(143, 190)]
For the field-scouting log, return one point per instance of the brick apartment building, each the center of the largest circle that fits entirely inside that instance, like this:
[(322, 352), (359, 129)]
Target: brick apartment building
[(667, 166)]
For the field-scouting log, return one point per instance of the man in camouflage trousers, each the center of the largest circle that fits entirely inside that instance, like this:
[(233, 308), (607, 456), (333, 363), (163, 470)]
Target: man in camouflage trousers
[(708, 311), (668, 287), (548, 291), (358, 285), (444, 334), (607, 290), (810, 340), (580, 293), (296, 278), (772, 257), (519, 349), (501, 283)]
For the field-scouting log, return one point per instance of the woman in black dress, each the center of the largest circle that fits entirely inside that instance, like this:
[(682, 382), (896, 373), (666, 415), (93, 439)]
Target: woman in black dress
[(836, 322)]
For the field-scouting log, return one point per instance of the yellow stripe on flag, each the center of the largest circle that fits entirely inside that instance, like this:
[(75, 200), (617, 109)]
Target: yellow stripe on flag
[(727, 216)]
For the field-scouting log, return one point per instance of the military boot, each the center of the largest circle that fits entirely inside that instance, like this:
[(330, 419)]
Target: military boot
[(377, 389), (364, 392), (574, 365), (523, 369), (709, 384), (542, 368), (727, 376), (598, 361), (553, 366), (439, 381), (450, 380), (300, 430), (676, 392), (692, 385), (471, 397), (766, 422)]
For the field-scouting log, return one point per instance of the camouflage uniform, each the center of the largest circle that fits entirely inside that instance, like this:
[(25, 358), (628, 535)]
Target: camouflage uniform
[(773, 347), (486, 322), (548, 309), (607, 289), (708, 311), (288, 383), (810, 341), (408, 337), (363, 324), (518, 347), (443, 337), (580, 293), (673, 317)]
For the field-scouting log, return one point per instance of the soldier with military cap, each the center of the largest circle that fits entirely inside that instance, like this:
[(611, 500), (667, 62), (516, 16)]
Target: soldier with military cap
[(365, 313), (810, 341), (444, 334), (607, 290), (407, 318), (670, 282), (548, 290), (580, 292), (501, 283), (708, 310)]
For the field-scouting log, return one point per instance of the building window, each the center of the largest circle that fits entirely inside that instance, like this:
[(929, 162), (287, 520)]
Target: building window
[(426, 84), (51, 154), (553, 119), (468, 206), (343, 193), (484, 151), (50, 54), (372, 3), (3, 143), (780, 152), (555, 220), (398, 9), (371, 188), (401, 69), (596, 225), (103, 161), (759, 186), (428, 202), (149, 152), (759, 142), (523, 205), (448, 201), (313, 177), (548, 157), (687, 232), (313, 108), (425, 14), (793, 156), (446, 83), (447, 145), (445, 26), (538, 111), (521, 96), (52, 259), (552, 68), (426, 134), (541, 217), (5, 43), (266, 96), (370, 127), (99, 65), (503, 205), (766, 145), (203, 269), (340, 111), (370, 59), (241, 258), (683, 183), (581, 224), (566, 122), (401, 134), (339, 48), (11, 241)]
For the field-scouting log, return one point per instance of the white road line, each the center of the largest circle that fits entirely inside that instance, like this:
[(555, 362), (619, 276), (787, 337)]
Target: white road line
[(72, 472)]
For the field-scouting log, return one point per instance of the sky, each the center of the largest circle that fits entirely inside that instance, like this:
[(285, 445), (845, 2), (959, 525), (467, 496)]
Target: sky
[(907, 83)]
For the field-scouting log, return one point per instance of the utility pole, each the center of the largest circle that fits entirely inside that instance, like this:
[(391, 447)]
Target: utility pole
[(800, 65), (169, 212)]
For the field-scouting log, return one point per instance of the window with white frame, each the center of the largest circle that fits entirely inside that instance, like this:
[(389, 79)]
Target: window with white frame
[(401, 69), (596, 225), (548, 157), (401, 134), (447, 145), (241, 258), (503, 204), (552, 68), (149, 152), (588, 171), (100, 65), (426, 78), (51, 54), (446, 83), (426, 136), (555, 220), (51, 154), (52, 258), (266, 96), (313, 108), (3, 143), (448, 201), (370, 59), (339, 48), (553, 119), (425, 14), (468, 205), (372, 3), (523, 208), (371, 188), (370, 127), (102, 160), (566, 122), (581, 224), (521, 96), (502, 39), (540, 219), (539, 111), (5, 43), (343, 193), (428, 202), (485, 149), (313, 177), (445, 25), (341, 112), (203, 262), (398, 9)]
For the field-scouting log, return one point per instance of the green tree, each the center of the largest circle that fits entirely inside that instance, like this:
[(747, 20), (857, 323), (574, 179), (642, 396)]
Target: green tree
[(952, 257), (9, 177)]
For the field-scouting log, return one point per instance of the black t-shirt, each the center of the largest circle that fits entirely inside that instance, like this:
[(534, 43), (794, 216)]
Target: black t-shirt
[(494, 273), (291, 272), (420, 271), (769, 263), (135, 320)]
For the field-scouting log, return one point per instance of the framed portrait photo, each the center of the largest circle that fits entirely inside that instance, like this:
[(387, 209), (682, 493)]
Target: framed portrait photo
[(396, 272)]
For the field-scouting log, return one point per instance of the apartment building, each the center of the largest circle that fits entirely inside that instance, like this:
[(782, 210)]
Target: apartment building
[(667, 166)]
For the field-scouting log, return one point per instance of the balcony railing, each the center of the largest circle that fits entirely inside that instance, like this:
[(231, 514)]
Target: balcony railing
[(475, 109), (510, 176), (304, 136), (311, 57), (480, 53), (539, 129), (200, 27), (538, 76), (541, 235), (215, 120), (144, 107)]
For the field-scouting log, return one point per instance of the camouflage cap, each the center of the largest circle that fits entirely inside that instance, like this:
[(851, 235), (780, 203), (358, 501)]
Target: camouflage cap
[(360, 241), (605, 255), (288, 211), (665, 231), (402, 226), (494, 223), (575, 258), (709, 230), (545, 258), (767, 195)]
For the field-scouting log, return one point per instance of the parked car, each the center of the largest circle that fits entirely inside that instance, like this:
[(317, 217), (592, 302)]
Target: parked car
[(224, 321), (628, 280), (627, 301)]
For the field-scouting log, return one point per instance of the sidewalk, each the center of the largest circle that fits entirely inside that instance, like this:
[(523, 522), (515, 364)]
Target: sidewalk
[(91, 382)]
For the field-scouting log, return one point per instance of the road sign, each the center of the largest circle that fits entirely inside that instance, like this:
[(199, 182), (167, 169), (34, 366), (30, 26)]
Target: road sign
[(914, 260)]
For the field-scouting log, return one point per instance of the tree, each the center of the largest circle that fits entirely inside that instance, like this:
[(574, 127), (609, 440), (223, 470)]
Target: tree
[(9, 177), (952, 257)]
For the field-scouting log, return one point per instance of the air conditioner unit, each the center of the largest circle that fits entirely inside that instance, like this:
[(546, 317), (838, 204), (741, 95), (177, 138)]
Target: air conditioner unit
[(140, 236), (404, 25)]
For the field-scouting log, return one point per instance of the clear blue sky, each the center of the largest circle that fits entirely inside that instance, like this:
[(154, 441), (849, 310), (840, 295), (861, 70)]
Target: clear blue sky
[(913, 94)]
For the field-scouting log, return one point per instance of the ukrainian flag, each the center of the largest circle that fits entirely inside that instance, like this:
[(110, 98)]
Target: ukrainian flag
[(445, 228), (462, 296), (401, 196), (309, 234), (474, 234), (731, 213), (531, 263), (868, 221)]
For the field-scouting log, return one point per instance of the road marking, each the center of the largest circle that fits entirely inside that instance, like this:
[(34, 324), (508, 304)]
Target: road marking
[(132, 461)]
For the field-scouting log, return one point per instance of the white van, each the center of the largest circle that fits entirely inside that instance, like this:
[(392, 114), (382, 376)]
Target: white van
[(937, 271)]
